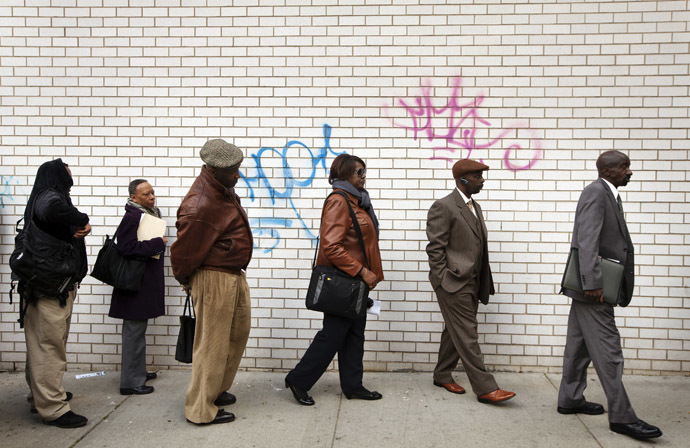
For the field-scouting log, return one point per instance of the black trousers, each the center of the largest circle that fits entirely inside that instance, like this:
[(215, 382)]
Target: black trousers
[(339, 335)]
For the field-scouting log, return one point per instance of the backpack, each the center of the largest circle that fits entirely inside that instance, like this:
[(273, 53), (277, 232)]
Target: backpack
[(42, 265)]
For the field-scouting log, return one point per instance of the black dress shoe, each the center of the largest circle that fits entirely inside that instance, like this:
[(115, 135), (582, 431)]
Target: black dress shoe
[(151, 376), (363, 394), (69, 397), (588, 408), (301, 396), (225, 399), (638, 430), (68, 420), (139, 390), (221, 417)]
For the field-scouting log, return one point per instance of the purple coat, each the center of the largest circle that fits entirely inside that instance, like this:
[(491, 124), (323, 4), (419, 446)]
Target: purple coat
[(149, 301)]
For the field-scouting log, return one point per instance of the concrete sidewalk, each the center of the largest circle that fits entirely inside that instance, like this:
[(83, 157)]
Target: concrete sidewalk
[(413, 413)]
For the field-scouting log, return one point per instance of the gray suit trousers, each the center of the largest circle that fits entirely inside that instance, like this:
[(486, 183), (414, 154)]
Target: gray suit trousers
[(459, 341), (593, 336), (133, 353)]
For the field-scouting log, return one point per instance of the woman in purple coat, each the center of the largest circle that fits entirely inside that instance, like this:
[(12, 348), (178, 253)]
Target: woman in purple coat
[(135, 308)]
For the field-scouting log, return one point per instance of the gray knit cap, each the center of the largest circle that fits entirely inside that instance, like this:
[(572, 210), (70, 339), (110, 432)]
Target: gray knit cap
[(220, 154)]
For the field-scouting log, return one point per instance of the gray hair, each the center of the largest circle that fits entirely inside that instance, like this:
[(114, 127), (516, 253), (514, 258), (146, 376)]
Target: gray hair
[(134, 184)]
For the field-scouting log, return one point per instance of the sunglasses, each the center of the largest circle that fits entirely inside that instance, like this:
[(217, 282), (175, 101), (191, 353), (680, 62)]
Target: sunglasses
[(361, 172)]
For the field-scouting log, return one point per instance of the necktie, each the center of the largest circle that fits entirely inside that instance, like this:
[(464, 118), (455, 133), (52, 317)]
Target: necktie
[(622, 216), (471, 206)]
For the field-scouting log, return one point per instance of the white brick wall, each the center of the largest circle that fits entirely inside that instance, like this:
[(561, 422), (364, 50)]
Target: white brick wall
[(123, 89)]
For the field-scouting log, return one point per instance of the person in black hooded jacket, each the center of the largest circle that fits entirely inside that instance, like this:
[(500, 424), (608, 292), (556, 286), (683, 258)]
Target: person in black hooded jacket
[(47, 319)]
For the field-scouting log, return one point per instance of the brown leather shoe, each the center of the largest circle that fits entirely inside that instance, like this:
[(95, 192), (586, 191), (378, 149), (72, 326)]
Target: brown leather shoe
[(496, 396), (451, 387)]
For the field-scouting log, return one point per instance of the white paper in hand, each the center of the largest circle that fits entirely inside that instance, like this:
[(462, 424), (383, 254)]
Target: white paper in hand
[(151, 227), (375, 309)]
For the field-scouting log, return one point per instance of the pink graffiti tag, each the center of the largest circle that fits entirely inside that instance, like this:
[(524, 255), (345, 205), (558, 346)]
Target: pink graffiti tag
[(463, 123)]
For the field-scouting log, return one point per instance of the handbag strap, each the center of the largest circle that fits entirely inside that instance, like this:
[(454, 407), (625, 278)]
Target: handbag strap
[(117, 229), (358, 230), (188, 303)]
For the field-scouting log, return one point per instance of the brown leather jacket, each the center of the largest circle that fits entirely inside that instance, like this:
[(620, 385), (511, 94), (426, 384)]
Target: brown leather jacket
[(212, 230), (339, 245)]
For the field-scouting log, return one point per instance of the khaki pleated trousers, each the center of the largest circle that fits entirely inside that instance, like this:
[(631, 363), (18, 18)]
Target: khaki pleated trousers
[(46, 327), (223, 314)]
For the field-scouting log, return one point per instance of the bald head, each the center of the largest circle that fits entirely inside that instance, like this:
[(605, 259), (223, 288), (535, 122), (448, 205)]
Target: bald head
[(614, 166), (610, 159)]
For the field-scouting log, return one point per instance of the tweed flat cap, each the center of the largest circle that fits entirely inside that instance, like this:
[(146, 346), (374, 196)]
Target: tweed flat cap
[(465, 166), (220, 154)]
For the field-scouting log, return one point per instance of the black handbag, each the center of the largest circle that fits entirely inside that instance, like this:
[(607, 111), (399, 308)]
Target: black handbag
[(125, 273), (333, 291), (185, 340)]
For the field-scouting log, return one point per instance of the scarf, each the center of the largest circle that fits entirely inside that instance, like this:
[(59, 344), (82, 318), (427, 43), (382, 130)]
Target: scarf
[(363, 199), (151, 211)]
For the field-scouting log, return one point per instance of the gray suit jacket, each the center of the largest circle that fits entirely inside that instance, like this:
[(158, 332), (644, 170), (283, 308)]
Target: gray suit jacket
[(458, 251), (600, 231)]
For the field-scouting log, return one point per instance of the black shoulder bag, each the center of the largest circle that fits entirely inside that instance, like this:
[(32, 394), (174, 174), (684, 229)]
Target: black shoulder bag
[(125, 273), (333, 291)]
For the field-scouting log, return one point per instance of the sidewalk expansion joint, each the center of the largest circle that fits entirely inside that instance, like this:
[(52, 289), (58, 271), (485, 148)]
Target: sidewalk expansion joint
[(102, 419)]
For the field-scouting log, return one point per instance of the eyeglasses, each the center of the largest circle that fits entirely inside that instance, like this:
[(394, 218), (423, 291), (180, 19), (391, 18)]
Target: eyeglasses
[(361, 172)]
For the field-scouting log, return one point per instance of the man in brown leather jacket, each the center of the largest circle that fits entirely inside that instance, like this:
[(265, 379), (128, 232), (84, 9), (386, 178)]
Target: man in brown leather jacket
[(213, 248)]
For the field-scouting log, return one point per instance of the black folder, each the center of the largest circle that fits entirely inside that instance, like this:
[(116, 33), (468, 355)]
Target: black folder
[(611, 270)]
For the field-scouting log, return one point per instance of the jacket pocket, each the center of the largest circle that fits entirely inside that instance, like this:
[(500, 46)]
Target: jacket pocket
[(225, 245), (361, 221)]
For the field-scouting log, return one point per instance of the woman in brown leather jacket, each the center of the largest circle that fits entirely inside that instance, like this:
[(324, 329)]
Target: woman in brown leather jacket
[(340, 247)]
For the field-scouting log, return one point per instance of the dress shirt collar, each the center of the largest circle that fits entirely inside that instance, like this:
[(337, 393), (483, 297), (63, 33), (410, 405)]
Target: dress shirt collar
[(464, 198), (614, 190)]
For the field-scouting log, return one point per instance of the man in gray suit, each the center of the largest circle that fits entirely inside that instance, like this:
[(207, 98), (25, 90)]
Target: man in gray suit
[(460, 275), (600, 231)]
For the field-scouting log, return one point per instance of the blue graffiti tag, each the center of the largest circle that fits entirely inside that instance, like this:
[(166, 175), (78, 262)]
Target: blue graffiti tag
[(6, 191), (290, 176)]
